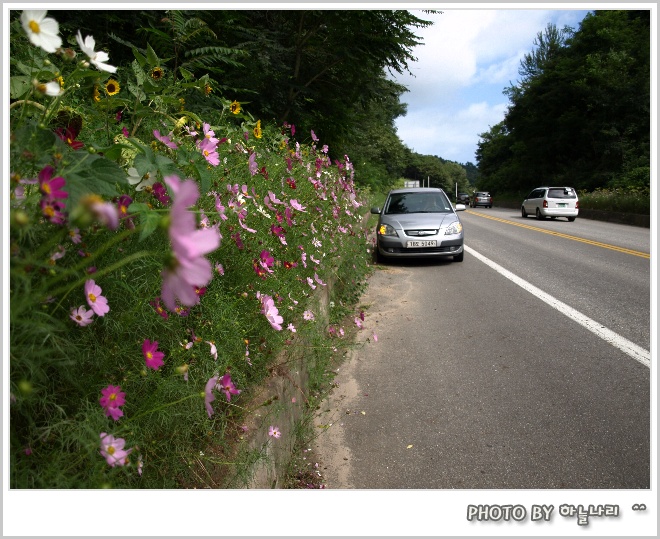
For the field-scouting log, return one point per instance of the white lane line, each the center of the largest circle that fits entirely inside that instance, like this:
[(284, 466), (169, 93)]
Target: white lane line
[(636, 352)]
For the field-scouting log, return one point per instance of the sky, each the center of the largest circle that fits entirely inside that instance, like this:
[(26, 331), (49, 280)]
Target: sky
[(468, 58)]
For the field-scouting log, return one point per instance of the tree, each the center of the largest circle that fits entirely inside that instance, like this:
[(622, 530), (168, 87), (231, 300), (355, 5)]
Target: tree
[(580, 113)]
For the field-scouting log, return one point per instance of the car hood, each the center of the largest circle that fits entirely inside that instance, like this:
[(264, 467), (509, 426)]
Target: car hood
[(420, 220)]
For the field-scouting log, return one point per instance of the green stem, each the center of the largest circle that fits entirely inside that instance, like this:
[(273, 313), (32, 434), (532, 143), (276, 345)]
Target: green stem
[(162, 407), (69, 287)]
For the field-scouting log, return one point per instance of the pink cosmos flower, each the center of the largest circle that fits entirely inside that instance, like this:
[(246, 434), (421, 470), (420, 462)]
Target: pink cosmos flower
[(214, 349), (252, 164), (296, 205), (75, 236), (274, 432), (49, 186), (358, 322), (96, 301), (190, 269), (82, 316), (106, 212), (308, 315), (291, 328), (270, 311), (220, 269), (152, 357), (112, 397), (112, 449), (211, 156), (225, 384), (165, 140), (209, 397)]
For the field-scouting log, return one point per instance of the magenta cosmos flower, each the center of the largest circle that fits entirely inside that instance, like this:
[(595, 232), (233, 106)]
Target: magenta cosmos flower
[(49, 186), (152, 357), (96, 301), (113, 450), (189, 268), (112, 397), (225, 384), (82, 316), (274, 432)]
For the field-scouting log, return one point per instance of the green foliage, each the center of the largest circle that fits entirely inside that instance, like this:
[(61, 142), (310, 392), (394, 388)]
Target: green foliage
[(580, 113), (290, 222)]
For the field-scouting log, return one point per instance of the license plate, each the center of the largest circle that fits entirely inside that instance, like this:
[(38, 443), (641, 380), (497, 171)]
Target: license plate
[(562, 205), (421, 243)]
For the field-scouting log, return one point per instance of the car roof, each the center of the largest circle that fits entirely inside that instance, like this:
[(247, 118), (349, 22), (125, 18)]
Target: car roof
[(418, 190)]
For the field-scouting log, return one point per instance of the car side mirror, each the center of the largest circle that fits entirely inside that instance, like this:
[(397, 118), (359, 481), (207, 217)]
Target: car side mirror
[(375, 211), (460, 207)]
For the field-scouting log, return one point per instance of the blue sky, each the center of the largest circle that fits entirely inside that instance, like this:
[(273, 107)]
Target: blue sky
[(469, 56)]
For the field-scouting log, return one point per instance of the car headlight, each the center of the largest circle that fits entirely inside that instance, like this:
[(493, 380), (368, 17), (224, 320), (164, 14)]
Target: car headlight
[(454, 228), (387, 230)]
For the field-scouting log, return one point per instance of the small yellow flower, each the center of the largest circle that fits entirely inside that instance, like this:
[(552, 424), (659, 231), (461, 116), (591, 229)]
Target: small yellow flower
[(96, 94), (257, 129), (207, 89), (235, 107), (157, 73), (60, 80), (112, 87)]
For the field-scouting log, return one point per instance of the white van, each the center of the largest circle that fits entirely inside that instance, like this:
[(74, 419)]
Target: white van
[(551, 202)]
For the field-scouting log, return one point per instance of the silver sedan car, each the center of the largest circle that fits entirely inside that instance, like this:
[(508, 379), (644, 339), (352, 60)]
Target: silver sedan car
[(419, 222)]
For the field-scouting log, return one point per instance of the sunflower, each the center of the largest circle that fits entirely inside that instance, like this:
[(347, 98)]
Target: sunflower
[(257, 129), (235, 107), (157, 73), (112, 87)]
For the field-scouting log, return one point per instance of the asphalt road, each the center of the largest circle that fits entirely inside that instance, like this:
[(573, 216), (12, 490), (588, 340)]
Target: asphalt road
[(475, 382)]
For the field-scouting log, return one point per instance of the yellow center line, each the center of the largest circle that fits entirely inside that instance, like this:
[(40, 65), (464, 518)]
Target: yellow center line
[(566, 236)]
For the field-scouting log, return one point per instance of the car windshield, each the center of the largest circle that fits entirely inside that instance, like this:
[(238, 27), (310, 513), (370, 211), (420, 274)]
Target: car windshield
[(561, 193), (417, 203)]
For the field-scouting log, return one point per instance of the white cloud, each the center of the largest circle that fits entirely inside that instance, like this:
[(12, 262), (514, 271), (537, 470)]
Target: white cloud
[(469, 56)]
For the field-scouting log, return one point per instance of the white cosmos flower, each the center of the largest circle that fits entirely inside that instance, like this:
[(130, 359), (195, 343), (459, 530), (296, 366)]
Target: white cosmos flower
[(142, 181), (52, 88), (97, 58), (41, 30)]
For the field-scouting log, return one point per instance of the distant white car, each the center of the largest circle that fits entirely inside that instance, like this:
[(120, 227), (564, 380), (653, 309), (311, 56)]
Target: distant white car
[(551, 202)]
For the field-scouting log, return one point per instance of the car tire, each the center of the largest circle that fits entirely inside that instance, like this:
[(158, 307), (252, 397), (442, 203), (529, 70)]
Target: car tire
[(524, 213), (539, 216), (570, 219), (459, 258)]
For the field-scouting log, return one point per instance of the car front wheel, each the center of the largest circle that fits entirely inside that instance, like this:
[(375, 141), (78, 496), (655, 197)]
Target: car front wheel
[(524, 213), (459, 258)]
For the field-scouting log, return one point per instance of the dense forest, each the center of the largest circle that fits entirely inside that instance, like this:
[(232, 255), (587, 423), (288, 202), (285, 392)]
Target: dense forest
[(579, 114), (330, 71)]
